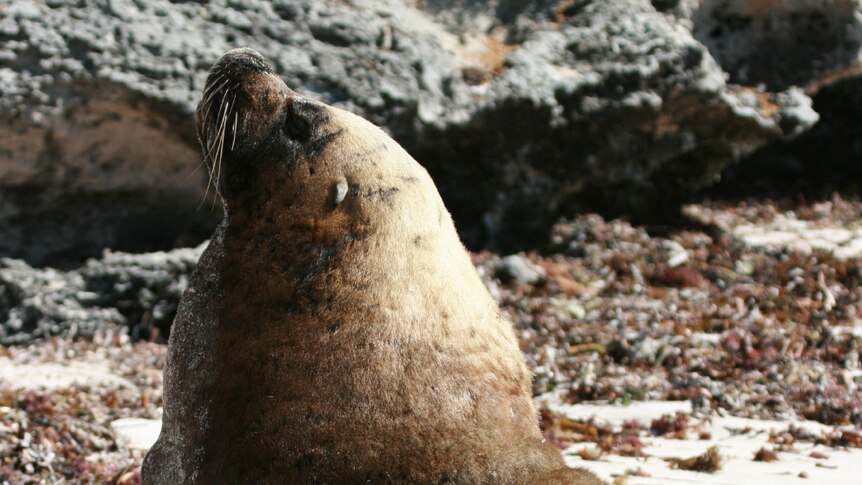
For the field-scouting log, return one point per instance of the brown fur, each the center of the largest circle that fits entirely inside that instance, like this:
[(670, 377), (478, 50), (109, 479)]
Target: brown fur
[(338, 342)]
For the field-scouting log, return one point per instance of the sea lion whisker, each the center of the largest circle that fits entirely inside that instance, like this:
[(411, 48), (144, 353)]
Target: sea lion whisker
[(221, 149), (208, 129), (208, 98), (211, 90), (209, 147), (235, 120), (213, 164), (218, 143), (204, 134), (220, 119), (198, 167), (214, 79), (222, 133)]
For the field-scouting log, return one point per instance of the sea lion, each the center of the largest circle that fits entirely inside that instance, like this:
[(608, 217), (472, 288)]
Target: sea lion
[(335, 330)]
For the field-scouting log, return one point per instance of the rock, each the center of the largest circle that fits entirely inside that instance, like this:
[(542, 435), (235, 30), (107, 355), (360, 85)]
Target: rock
[(676, 253), (618, 109), (780, 43), (827, 156), (517, 267), (522, 111), (140, 292), (649, 350), (814, 45), (679, 277)]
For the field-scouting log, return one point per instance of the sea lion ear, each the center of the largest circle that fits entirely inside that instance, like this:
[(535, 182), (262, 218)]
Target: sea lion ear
[(340, 192)]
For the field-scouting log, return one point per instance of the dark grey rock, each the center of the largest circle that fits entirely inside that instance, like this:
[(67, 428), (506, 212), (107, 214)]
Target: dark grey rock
[(522, 111), (140, 292), (811, 44), (826, 159), (780, 43)]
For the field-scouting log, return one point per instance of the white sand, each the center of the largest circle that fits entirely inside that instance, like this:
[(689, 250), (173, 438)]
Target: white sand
[(786, 231), (737, 447), (47, 375), (140, 433)]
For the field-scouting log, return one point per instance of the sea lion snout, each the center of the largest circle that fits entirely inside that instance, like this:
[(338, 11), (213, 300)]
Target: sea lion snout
[(239, 83), (247, 113), (240, 60)]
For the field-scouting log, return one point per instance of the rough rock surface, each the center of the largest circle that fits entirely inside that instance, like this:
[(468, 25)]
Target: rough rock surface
[(781, 43), (140, 292), (522, 111), (824, 159)]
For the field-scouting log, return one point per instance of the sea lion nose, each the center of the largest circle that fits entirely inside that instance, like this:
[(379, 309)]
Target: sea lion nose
[(239, 61)]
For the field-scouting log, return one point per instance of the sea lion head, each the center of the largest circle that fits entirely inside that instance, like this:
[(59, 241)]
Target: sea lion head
[(277, 156)]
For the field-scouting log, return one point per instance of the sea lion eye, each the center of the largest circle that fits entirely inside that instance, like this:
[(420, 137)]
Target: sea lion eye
[(296, 123)]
